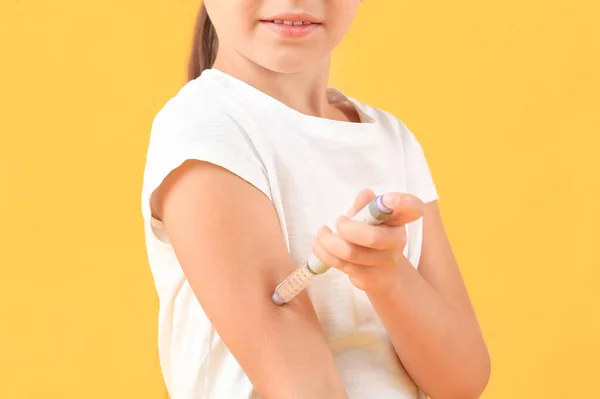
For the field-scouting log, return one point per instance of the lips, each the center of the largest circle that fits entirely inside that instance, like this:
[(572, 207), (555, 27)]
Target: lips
[(292, 25), (297, 30)]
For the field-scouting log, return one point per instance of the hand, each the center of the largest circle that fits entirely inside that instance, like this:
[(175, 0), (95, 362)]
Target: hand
[(370, 255)]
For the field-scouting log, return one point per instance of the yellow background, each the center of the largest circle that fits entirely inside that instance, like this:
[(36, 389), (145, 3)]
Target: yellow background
[(504, 96)]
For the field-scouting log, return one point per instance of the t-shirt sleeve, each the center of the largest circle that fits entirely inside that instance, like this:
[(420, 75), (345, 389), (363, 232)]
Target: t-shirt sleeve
[(203, 133), (419, 180)]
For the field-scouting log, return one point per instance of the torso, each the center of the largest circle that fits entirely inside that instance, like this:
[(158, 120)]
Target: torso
[(315, 168)]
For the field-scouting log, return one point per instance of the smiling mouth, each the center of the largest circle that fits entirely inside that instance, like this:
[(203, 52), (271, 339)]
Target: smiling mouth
[(292, 26)]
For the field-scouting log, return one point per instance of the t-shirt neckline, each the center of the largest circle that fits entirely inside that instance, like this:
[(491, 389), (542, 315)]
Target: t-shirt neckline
[(335, 95)]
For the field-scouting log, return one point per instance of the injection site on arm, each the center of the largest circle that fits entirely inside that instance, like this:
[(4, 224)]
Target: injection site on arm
[(374, 214)]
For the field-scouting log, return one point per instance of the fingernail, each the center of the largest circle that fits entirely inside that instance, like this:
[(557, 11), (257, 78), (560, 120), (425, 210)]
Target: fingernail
[(338, 220), (391, 200), (320, 230)]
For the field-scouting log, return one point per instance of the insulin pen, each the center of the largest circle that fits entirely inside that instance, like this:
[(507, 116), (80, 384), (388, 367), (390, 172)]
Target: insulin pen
[(374, 214)]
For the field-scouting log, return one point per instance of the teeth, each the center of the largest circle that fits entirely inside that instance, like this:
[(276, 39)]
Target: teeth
[(291, 23)]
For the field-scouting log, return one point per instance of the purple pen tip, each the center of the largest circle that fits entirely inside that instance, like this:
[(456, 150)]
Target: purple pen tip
[(381, 206)]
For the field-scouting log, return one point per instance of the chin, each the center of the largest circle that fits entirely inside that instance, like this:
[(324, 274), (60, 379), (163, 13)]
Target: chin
[(288, 64), (288, 60)]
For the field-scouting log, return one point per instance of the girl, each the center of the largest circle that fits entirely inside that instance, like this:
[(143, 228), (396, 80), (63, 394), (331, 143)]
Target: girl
[(246, 164)]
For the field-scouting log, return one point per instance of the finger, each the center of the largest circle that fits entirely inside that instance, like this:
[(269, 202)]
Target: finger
[(362, 199), (375, 237), (326, 257), (406, 208), (346, 252)]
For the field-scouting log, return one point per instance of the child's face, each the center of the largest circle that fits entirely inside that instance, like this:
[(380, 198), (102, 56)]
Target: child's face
[(243, 26)]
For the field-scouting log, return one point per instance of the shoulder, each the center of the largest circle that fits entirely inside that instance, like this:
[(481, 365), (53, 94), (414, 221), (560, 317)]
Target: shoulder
[(199, 103), (200, 123), (200, 118)]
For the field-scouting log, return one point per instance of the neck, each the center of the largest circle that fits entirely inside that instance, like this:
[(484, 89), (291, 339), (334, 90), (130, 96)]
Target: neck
[(304, 91)]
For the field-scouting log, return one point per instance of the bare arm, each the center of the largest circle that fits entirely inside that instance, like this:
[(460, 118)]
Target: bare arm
[(227, 238), (431, 322)]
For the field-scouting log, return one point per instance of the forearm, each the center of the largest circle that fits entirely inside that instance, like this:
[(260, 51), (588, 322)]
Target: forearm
[(440, 346)]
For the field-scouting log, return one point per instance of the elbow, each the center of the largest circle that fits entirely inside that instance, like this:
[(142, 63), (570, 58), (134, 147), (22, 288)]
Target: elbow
[(470, 384), (475, 383), (474, 379), (471, 390), (481, 375)]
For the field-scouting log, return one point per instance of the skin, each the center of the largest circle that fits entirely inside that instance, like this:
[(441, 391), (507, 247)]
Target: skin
[(294, 71), (427, 313)]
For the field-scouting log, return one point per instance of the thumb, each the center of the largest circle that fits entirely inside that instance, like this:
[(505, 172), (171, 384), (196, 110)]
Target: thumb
[(407, 208)]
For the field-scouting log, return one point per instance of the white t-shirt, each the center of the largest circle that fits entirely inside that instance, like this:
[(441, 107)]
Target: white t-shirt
[(311, 169)]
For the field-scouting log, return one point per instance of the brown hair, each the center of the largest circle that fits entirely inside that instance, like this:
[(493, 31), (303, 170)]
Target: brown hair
[(204, 45)]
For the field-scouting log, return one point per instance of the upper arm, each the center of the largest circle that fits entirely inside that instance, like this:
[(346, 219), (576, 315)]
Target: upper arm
[(227, 238), (437, 264)]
